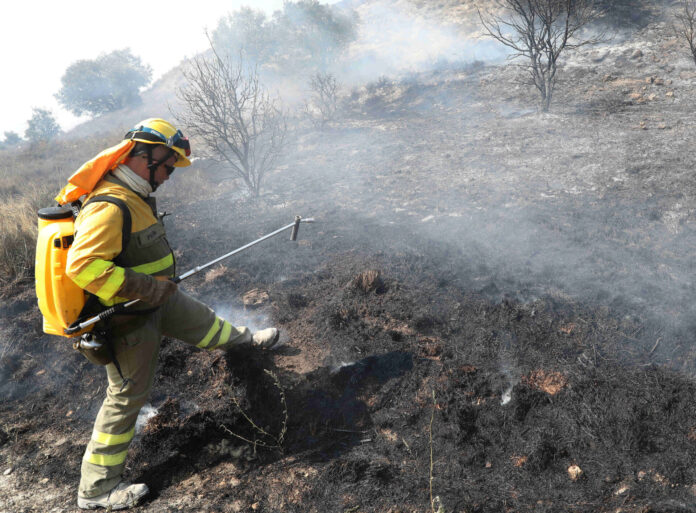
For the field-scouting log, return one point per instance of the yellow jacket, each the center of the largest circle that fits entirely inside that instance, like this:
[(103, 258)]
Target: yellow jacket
[(96, 260)]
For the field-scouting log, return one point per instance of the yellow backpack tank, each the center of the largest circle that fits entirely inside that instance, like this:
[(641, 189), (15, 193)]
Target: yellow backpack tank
[(60, 299)]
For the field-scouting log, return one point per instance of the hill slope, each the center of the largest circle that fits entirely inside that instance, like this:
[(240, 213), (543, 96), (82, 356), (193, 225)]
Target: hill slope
[(507, 291)]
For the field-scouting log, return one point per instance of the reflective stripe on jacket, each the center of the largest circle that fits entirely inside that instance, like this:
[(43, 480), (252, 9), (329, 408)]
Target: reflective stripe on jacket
[(98, 239)]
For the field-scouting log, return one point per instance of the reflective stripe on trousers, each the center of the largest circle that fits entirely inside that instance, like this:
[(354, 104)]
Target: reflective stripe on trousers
[(219, 335), (183, 318)]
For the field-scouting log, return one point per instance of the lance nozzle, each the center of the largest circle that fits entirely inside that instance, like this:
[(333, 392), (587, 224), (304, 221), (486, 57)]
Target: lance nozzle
[(296, 226)]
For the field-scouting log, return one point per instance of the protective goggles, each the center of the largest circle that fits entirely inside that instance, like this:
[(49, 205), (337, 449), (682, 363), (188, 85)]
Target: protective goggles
[(150, 134)]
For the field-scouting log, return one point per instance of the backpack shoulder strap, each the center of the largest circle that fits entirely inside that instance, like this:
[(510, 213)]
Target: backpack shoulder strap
[(127, 223)]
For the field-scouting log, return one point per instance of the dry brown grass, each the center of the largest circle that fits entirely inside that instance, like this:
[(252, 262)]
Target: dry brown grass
[(549, 382), (30, 177), (18, 231), (369, 281)]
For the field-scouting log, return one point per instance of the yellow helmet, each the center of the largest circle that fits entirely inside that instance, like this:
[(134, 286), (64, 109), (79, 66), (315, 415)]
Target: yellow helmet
[(159, 131)]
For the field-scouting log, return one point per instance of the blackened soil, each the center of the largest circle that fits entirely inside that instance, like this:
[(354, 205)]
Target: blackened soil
[(507, 395), (465, 320)]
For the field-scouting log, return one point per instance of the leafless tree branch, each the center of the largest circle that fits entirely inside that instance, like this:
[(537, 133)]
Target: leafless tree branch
[(539, 31), (686, 25), (322, 107), (227, 108)]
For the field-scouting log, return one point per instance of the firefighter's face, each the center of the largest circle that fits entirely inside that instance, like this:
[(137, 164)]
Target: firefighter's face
[(167, 167)]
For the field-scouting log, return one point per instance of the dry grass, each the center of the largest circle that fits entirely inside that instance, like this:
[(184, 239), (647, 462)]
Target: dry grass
[(369, 281), (18, 231), (30, 177), (549, 382)]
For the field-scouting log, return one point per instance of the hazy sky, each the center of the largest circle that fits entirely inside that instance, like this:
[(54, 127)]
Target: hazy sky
[(40, 39)]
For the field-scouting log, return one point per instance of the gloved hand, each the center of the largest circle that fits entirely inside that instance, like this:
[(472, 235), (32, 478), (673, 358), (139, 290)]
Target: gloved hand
[(154, 291)]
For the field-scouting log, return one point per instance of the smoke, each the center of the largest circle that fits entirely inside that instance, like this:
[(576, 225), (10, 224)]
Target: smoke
[(255, 320), (527, 240), (146, 413), (335, 368), (362, 44), (568, 203), (392, 42), (512, 375), (575, 204)]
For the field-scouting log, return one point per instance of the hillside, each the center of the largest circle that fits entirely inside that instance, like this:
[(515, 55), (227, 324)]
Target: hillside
[(494, 307)]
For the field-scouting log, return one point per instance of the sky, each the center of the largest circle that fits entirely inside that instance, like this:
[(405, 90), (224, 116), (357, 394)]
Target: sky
[(40, 39)]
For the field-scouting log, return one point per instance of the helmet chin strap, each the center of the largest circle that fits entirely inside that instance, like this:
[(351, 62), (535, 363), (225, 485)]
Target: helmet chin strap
[(152, 165)]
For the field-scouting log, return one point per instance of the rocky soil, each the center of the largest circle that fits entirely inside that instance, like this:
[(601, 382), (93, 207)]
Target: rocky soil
[(493, 309)]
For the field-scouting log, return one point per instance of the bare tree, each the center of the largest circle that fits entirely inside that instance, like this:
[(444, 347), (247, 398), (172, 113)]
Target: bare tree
[(686, 25), (539, 31), (323, 104), (228, 108)]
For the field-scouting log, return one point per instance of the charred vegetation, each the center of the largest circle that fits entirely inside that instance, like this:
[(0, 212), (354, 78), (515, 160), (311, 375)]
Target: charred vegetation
[(530, 270)]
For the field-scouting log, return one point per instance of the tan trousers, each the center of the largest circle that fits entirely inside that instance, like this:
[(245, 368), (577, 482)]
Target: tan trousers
[(181, 317)]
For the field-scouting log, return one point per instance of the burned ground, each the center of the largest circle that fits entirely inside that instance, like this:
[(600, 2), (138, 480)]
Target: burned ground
[(507, 291)]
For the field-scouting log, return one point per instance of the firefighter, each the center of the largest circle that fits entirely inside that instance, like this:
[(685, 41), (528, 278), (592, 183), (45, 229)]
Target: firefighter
[(111, 273)]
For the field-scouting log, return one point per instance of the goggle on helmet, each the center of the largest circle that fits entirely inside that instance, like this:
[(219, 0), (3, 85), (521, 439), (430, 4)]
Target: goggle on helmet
[(159, 131)]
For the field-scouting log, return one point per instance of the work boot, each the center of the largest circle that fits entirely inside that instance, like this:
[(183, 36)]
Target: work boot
[(122, 496), (265, 339)]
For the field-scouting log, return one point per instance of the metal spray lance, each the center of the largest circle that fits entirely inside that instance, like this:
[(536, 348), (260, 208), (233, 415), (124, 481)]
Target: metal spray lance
[(90, 342)]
